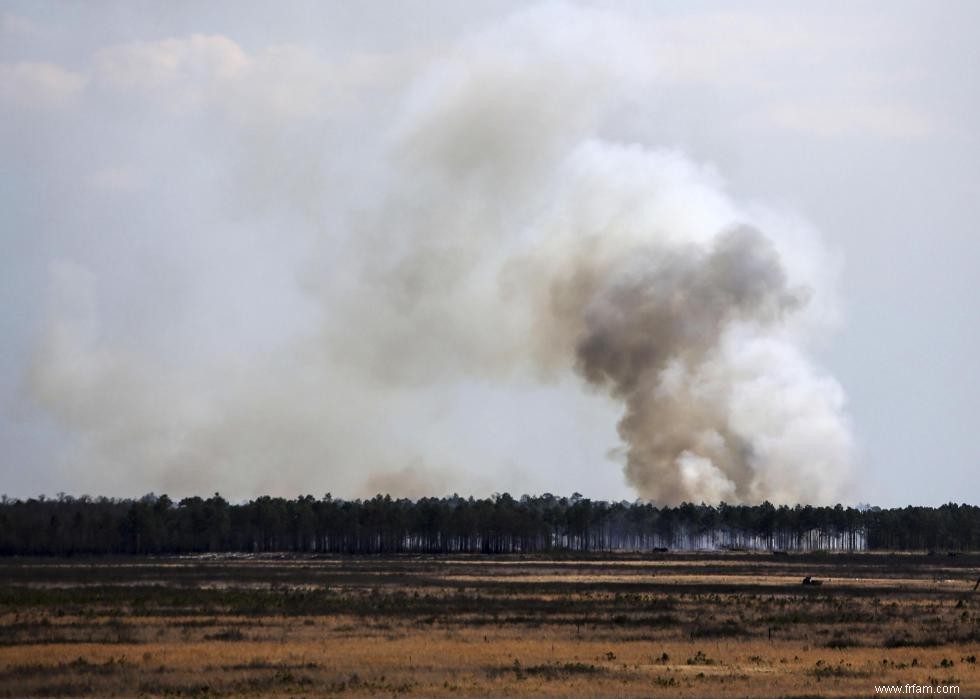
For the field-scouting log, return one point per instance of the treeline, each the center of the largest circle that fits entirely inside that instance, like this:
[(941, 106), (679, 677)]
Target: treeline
[(547, 523)]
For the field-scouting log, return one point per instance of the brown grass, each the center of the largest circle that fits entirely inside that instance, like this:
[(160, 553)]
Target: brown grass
[(698, 627)]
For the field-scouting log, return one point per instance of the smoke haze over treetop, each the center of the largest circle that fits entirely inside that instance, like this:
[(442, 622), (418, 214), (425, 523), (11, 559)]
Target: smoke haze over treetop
[(436, 270)]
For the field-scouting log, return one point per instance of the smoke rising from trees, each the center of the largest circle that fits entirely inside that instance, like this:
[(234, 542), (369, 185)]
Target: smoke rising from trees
[(491, 226)]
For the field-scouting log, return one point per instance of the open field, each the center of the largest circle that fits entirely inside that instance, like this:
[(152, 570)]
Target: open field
[(694, 625)]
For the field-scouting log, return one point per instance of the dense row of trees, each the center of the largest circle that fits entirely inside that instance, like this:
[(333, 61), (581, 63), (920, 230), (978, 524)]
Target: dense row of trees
[(501, 524)]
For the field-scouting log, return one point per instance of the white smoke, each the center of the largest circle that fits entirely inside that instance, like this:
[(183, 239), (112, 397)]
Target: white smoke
[(499, 232)]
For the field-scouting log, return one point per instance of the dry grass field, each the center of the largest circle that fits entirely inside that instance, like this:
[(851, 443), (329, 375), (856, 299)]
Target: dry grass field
[(688, 625)]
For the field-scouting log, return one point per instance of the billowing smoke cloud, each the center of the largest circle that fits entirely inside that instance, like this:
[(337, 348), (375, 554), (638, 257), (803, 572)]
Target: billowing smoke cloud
[(648, 327), (664, 331), (496, 229)]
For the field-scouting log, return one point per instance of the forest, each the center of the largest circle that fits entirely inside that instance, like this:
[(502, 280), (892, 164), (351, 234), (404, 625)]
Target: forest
[(156, 524)]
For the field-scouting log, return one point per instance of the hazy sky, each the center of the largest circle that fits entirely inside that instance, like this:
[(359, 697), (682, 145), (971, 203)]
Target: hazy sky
[(272, 247)]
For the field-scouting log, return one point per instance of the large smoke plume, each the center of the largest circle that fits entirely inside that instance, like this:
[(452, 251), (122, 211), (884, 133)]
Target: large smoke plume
[(648, 327), (503, 232)]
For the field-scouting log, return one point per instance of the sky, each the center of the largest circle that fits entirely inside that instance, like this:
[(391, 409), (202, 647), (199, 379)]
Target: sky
[(419, 247)]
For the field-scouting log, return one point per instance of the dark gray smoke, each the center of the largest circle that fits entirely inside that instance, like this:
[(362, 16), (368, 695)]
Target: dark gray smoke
[(659, 311), (659, 306)]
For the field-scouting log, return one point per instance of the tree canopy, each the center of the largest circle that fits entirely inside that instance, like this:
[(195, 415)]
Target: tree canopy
[(155, 524)]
